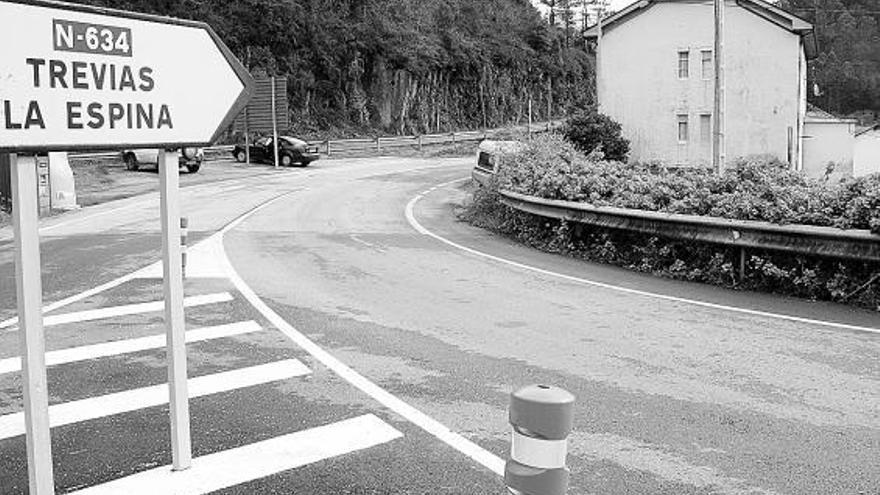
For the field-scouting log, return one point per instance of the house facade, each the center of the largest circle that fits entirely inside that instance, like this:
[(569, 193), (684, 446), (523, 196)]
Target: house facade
[(655, 76)]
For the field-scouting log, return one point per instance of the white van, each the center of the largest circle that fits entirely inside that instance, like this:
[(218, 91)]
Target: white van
[(488, 155)]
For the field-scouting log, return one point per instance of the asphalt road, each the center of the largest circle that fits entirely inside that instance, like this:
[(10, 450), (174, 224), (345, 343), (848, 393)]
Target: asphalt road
[(672, 397)]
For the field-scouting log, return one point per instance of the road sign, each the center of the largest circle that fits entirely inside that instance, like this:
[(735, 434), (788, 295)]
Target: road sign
[(78, 77), (258, 115), (74, 76)]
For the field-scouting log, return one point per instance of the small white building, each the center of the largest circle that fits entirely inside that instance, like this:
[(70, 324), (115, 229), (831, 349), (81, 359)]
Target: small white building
[(655, 76), (866, 158), (829, 143)]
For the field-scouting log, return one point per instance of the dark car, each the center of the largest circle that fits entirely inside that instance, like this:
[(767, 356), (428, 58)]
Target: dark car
[(290, 150)]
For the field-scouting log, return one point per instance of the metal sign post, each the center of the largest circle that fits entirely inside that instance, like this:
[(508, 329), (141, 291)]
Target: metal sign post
[(274, 124), (247, 138), (169, 179), (29, 291), (74, 77)]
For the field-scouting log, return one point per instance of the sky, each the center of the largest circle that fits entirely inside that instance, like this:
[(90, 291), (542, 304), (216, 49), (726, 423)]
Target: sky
[(612, 4)]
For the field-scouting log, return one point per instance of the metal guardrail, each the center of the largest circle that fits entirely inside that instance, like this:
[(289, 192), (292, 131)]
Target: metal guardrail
[(377, 144), (801, 239)]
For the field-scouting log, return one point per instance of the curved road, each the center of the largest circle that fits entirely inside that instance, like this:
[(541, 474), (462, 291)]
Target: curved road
[(681, 388), (672, 397)]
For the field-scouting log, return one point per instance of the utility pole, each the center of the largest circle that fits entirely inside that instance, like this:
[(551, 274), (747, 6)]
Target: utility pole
[(599, 7), (718, 154)]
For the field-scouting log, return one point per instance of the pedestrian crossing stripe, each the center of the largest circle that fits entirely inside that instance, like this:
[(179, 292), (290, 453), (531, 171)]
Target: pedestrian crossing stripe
[(118, 347), (131, 309), (12, 425), (232, 467)]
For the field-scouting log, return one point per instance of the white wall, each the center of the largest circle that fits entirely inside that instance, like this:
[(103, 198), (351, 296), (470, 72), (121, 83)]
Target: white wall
[(866, 158), (828, 141), (641, 89)]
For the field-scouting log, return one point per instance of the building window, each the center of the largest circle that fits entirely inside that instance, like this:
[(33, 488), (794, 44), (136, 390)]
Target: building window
[(683, 128), (708, 65), (683, 64), (706, 128)]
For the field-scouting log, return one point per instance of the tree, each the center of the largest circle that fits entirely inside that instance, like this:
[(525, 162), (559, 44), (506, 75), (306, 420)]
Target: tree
[(847, 70), (591, 131)]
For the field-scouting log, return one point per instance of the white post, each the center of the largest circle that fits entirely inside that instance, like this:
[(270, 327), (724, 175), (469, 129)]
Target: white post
[(718, 154), (530, 118), (29, 291), (274, 124), (181, 450)]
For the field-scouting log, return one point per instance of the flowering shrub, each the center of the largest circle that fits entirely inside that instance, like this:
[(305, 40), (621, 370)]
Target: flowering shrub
[(753, 188), (757, 188)]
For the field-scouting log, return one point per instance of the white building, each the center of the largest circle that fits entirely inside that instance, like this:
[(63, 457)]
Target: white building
[(866, 158), (829, 143), (655, 73)]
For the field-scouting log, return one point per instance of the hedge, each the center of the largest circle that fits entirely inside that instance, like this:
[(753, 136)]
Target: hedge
[(756, 188)]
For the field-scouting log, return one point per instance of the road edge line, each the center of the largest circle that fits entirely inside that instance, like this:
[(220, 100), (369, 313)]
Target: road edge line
[(409, 212), (377, 393)]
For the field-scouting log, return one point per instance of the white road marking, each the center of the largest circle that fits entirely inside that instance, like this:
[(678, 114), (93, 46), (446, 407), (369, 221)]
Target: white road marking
[(94, 215), (131, 309), (12, 425), (79, 297), (118, 347), (410, 413), (410, 217), (236, 466)]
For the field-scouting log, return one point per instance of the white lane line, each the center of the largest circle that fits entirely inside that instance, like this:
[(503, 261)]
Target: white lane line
[(236, 466), (79, 297), (12, 425), (118, 347), (410, 413), (93, 215), (410, 217), (131, 309), (147, 271)]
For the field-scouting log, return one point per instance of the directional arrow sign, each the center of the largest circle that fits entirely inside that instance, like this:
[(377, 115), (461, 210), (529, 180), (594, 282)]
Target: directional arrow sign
[(74, 77)]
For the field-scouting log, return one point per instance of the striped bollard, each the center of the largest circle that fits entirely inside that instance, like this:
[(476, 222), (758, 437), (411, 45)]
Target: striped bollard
[(541, 417), (184, 225)]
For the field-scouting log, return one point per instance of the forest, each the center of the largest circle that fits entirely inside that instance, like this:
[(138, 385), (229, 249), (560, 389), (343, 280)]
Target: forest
[(845, 78), (399, 66), (406, 66)]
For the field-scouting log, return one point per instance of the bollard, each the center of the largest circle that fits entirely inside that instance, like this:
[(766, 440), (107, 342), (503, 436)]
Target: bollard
[(184, 224), (541, 417)]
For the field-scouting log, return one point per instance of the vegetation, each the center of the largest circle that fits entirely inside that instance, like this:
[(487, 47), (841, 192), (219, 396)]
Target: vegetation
[(590, 131), (399, 65), (758, 188), (754, 188), (847, 71)]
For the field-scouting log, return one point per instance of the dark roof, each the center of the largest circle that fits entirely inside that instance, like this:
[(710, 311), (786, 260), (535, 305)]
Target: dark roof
[(875, 127), (814, 111), (768, 11), (817, 115)]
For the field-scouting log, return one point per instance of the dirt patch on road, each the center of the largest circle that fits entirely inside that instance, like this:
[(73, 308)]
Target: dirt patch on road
[(100, 181)]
